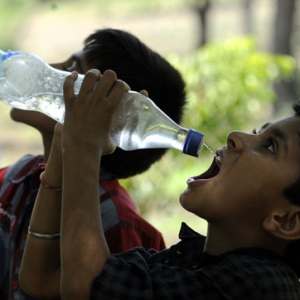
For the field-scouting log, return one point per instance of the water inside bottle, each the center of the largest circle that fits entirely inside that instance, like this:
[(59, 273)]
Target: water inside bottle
[(144, 126), (50, 104)]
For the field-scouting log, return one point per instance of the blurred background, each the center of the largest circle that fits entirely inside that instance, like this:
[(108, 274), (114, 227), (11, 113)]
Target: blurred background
[(238, 58)]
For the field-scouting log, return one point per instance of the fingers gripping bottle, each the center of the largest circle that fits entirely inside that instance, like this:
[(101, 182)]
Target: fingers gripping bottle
[(30, 83)]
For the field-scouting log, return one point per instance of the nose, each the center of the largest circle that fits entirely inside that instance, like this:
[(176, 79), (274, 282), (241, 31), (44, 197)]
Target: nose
[(58, 66), (238, 140)]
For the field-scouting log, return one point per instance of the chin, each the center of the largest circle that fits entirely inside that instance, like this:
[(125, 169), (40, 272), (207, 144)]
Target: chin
[(195, 203), (187, 202)]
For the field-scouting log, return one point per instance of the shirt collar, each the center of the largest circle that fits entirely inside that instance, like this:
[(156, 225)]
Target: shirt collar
[(187, 233)]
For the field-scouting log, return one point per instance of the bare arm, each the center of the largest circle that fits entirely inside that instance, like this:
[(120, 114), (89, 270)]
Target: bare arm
[(40, 269), (84, 140)]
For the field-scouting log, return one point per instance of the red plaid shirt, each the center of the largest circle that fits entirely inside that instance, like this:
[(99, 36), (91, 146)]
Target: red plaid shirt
[(124, 228)]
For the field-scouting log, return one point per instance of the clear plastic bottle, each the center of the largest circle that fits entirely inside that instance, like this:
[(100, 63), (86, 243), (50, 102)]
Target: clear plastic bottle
[(5, 55), (31, 84)]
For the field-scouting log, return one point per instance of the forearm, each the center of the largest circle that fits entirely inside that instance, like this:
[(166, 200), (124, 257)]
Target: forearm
[(40, 270), (83, 246)]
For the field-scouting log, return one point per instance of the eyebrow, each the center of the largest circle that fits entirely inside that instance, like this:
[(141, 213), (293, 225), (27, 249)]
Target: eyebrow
[(282, 136), (264, 126), (278, 133)]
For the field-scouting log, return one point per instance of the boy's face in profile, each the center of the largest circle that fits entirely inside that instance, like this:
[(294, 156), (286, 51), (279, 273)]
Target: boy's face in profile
[(246, 182)]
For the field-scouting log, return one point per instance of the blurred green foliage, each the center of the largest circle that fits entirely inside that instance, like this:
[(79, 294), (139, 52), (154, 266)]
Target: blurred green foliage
[(229, 84), (229, 87)]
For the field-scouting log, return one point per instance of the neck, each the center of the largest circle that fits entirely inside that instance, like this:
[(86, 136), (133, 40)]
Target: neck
[(219, 241)]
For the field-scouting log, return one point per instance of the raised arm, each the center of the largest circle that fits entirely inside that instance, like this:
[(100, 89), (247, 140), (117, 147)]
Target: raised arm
[(40, 269), (85, 139)]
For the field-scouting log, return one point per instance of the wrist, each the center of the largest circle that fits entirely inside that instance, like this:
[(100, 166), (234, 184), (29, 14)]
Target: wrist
[(50, 180), (43, 236)]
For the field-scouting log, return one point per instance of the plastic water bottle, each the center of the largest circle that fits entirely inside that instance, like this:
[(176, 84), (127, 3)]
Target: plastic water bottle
[(30, 83), (5, 55)]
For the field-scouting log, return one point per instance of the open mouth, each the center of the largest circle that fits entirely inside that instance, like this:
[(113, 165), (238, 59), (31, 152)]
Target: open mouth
[(213, 170)]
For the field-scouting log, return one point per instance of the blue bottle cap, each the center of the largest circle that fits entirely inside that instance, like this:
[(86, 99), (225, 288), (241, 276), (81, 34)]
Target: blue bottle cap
[(193, 143), (9, 54), (4, 56)]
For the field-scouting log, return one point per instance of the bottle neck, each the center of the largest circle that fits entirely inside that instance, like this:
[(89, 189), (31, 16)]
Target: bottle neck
[(4, 56), (193, 143)]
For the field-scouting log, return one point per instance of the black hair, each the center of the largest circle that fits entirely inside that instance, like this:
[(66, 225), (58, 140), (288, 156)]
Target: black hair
[(292, 193), (141, 68)]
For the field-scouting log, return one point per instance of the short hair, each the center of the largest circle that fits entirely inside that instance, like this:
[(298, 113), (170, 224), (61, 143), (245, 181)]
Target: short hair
[(142, 68), (292, 193)]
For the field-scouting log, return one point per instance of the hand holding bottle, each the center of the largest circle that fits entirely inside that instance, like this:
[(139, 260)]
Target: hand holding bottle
[(89, 114)]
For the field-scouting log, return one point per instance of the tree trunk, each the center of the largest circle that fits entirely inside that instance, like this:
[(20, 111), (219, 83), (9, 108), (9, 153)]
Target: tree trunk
[(248, 16), (202, 8), (283, 26), (283, 29)]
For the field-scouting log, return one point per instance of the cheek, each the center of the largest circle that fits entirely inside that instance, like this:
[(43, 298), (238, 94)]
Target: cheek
[(250, 198), (249, 180)]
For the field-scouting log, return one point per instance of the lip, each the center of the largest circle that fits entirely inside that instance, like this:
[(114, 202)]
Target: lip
[(212, 171)]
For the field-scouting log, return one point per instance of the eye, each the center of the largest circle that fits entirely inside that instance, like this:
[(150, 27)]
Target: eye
[(65, 67), (270, 145), (72, 66)]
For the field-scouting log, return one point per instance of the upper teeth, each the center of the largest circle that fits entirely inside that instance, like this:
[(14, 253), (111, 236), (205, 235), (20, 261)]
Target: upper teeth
[(218, 158)]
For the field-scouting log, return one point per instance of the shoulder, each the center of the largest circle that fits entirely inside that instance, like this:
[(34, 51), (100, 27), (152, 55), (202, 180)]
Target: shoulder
[(25, 163), (25, 166)]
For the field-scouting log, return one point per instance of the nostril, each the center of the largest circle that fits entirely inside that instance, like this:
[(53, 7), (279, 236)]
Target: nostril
[(230, 142), (234, 140)]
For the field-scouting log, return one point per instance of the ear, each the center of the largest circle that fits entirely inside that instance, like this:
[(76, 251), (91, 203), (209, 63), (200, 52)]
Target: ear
[(284, 225)]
